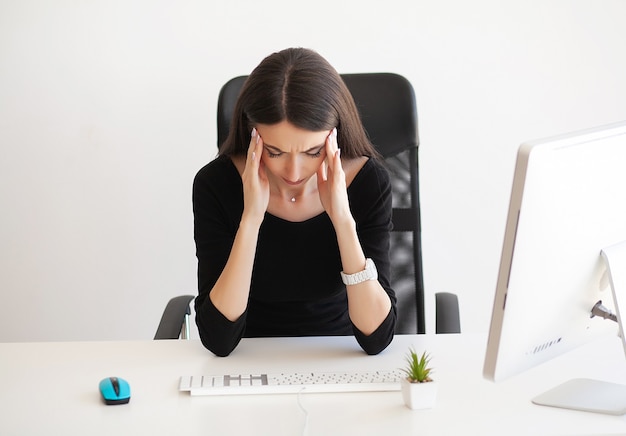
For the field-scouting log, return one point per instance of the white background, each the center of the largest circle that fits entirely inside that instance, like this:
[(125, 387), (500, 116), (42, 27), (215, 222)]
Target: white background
[(107, 110)]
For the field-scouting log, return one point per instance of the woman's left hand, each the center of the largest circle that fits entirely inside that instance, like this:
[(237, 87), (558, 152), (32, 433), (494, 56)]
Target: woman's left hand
[(331, 182)]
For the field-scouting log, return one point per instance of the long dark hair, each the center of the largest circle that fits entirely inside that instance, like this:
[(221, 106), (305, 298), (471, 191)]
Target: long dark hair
[(299, 86)]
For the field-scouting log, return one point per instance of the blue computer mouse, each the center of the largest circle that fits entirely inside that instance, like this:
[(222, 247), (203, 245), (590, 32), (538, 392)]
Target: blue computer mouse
[(115, 390)]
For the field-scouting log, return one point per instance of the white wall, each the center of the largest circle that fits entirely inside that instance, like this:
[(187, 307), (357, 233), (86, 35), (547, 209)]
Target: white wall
[(107, 110)]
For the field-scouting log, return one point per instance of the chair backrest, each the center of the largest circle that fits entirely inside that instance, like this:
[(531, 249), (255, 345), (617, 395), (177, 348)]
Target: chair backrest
[(386, 103)]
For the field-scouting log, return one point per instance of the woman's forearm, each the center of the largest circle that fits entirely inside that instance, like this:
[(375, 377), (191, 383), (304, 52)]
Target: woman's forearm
[(368, 303), (230, 293)]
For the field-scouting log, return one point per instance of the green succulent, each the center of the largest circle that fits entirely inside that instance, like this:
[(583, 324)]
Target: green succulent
[(418, 369)]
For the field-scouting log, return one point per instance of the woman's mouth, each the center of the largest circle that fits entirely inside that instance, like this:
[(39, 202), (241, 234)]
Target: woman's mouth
[(291, 183)]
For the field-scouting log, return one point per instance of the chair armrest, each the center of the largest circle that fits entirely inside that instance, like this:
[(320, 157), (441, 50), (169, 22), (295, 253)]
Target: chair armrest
[(447, 313), (174, 318)]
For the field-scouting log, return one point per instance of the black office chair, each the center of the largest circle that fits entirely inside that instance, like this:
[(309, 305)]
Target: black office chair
[(174, 322), (386, 103)]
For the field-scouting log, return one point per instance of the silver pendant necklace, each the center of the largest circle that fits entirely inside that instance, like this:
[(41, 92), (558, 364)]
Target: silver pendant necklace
[(293, 199)]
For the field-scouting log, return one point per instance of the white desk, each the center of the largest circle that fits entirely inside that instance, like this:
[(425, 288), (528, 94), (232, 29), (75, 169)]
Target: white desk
[(51, 388)]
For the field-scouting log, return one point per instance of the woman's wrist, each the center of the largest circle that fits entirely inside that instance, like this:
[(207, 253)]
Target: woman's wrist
[(344, 223), (250, 221)]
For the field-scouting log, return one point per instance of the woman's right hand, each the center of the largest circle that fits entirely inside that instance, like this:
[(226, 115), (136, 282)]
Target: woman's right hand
[(256, 190), (231, 291)]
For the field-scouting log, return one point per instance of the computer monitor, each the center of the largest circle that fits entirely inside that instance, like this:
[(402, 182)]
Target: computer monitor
[(566, 225)]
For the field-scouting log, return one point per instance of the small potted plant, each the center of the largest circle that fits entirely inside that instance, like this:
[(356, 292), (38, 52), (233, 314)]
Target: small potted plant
[(419, 390)]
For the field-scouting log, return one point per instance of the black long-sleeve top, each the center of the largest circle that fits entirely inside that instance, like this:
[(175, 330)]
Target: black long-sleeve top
[(296, 289)]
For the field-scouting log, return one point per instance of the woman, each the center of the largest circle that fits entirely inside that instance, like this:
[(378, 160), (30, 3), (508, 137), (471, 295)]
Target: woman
[(292, 233)]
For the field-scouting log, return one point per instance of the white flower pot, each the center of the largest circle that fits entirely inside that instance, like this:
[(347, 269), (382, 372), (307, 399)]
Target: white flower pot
[(419, 395)]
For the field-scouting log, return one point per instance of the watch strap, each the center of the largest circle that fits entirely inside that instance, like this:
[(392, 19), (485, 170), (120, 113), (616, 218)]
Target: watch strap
[(369, 273)]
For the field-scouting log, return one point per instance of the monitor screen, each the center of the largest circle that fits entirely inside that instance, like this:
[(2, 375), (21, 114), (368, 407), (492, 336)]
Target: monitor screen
[(568, 204)]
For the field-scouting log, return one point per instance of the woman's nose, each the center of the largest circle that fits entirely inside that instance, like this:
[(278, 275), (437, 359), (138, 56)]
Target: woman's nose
[(293, 170)]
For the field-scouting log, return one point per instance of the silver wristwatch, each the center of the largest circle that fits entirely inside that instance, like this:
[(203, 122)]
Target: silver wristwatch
[(369, 273)]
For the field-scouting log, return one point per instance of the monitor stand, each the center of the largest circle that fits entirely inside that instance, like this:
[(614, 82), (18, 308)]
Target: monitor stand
[(595, 395), (615, 257)]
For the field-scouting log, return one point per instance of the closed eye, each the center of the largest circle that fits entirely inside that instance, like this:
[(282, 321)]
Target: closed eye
[(315, 152), (273, 152)]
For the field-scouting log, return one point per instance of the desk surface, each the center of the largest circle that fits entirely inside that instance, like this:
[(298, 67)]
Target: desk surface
[(51, 388)]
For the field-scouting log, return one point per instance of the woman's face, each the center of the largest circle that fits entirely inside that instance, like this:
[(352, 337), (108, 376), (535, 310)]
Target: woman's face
[(292, 155)]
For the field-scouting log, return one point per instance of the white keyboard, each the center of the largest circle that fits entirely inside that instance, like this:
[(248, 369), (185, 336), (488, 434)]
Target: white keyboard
[(245, 384)]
